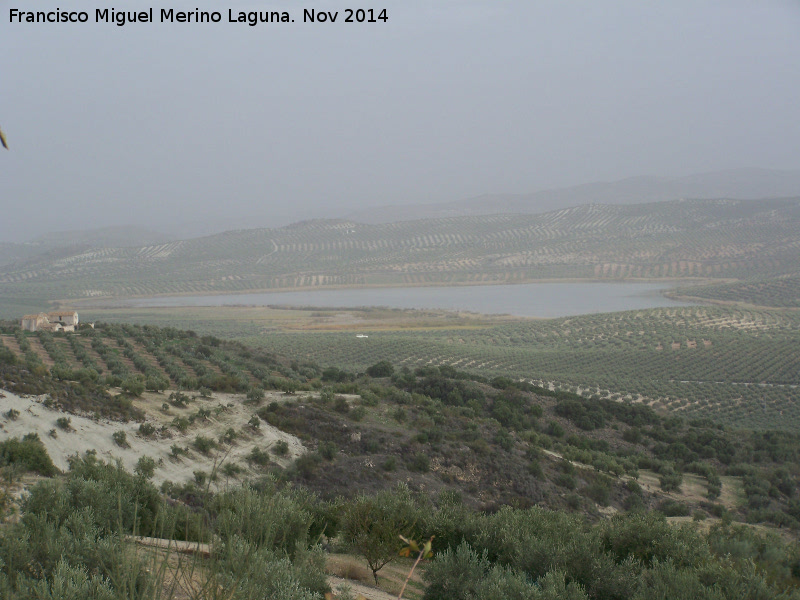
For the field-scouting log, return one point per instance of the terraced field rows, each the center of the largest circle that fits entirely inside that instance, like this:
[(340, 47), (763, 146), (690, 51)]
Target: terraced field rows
[(66, 349), (727, 239), (783, 290), (37, 347), (127, 351), (738, 366), (151, 360), (86, 346), (9, 342)]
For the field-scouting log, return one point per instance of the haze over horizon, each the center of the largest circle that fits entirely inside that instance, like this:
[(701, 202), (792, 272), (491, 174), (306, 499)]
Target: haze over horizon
[(163, 125)]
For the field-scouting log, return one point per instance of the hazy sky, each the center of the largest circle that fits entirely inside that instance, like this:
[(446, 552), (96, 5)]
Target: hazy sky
[(157, 123)]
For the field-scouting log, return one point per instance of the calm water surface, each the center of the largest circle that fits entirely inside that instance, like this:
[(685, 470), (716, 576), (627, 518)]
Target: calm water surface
[(523, 300)]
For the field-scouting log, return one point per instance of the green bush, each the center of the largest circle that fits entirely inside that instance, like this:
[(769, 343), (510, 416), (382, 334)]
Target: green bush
[(120, 439), (67, 582), (554, 429), (255, 396), (64, 423), (328, 450), (231, 469), (179, 399), (280, 448), (599, 491), (178, 451), (156, 383), (118, 500), (463, 574), (268, 518), (566, 481), (258, 457), (674, 508), (419, 463), (305, 466), (381, 369), (670, 480), (242, 570), (145, 467), (133, 386), (358, 413), (181, 424), (649, 538), (229, 436), (203, 444), (28, 453), (340, 405)]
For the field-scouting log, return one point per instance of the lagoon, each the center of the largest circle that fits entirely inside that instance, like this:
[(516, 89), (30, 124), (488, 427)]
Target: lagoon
[(542, 300)]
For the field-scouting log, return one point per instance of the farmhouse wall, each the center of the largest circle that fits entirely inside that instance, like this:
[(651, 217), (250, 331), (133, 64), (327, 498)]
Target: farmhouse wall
[(33, 322), (65, 320), (65, 317)]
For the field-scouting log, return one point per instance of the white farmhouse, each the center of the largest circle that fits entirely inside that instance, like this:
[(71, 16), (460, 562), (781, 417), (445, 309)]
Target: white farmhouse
[(68, 319), (34, 322), (62, 320)]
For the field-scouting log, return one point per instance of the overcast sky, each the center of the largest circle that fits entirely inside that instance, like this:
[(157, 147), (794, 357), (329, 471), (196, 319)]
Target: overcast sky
[(156, 124)]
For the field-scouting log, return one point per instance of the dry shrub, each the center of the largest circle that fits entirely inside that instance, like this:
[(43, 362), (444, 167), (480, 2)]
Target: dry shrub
[(351, 571)]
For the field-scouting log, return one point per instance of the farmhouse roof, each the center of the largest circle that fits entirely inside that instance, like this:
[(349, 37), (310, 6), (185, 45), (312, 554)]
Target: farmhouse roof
[(63, 313), (27, 317)]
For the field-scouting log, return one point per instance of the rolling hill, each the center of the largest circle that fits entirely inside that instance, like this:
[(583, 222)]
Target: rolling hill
[(711, 239), (495, 441)]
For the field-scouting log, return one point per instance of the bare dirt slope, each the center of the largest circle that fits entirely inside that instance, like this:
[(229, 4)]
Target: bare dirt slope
[(226, 411)]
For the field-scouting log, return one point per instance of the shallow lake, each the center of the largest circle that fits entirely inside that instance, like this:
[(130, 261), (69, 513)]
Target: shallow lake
[(524, 300)]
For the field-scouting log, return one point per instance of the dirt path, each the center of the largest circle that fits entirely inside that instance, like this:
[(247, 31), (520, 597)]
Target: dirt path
[(368, 592)]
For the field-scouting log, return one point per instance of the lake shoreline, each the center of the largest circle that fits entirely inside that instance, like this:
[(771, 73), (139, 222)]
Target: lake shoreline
[(122, 301), (540, 299)]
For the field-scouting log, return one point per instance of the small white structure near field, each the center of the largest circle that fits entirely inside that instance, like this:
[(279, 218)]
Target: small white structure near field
[(61, 320)]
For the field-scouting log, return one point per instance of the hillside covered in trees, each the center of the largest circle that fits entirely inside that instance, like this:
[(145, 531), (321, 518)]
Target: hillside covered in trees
[(528, 492), (724, 240)]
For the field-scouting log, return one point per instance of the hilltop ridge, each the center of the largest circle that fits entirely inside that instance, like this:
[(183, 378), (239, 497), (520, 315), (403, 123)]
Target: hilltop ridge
[(741, 184)]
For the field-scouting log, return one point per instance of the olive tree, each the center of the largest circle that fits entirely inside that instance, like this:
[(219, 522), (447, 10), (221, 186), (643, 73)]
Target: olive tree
[(371, 525)]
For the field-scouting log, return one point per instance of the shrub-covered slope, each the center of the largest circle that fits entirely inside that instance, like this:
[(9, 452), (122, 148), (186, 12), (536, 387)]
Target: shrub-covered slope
[(529, 493), (498, 441)]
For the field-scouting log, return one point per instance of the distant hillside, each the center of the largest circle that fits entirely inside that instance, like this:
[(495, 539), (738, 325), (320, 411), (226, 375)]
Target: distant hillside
[(742, 184), (781, 290), (103, 237), (67, 242), (11, 253), (730, 239)]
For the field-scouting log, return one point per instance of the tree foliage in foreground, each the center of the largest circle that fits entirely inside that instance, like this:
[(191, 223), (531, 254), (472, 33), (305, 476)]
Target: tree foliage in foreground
[(71, 543), (371, 525)]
